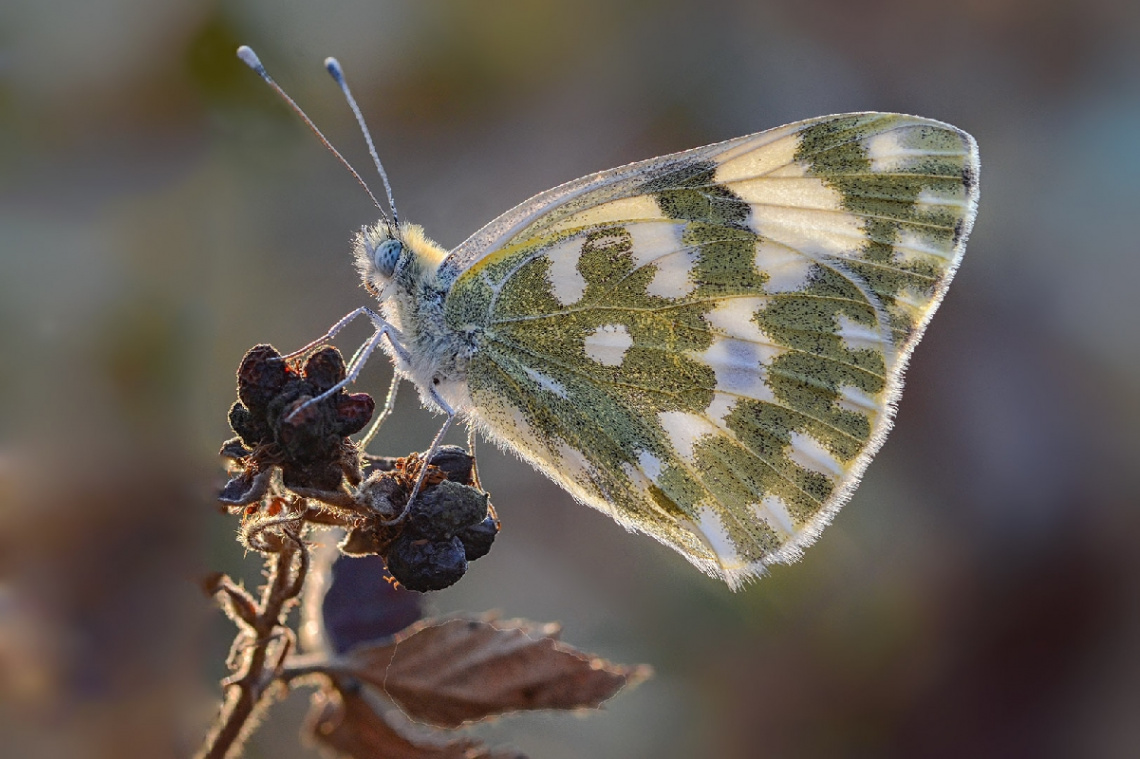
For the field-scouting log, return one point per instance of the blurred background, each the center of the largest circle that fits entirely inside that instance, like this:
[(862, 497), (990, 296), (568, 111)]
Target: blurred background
[(161, 211)]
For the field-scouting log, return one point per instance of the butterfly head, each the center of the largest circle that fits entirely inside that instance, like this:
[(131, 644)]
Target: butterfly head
[(384, 251)]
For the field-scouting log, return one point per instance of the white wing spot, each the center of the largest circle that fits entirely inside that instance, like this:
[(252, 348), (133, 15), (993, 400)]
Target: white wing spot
[(802, 213), (732, 317), (857, 401), (856, 336), (718, 538), (650, 464), (653, 240), (787, 269), (566, 282), (888, 151), (912, 245), (929, 200), (721, 406), (809, 453), (547, 383), (774, 511), (607, 344), (912, 299), (673, 276), (659, 244), (684, 430), (739, 357), (738, 366)]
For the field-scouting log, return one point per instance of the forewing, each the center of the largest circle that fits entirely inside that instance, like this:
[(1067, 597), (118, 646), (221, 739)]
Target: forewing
[(708, 346)]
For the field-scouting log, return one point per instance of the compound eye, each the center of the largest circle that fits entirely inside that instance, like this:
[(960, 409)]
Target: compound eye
[(386, 255)]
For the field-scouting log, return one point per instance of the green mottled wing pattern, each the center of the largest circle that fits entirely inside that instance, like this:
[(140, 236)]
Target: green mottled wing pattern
[(708, 346)]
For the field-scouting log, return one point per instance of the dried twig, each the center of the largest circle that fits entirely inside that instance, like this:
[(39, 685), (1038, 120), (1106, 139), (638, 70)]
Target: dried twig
[(266, 641)]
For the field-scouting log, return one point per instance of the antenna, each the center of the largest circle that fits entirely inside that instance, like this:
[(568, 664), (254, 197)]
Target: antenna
[(333, 67), (250, 59)]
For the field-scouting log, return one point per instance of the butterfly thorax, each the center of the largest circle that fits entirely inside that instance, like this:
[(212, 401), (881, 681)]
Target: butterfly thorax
[(399, 265)]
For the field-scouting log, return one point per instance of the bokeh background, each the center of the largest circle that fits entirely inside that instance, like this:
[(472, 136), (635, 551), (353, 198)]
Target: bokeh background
[(161, 211)]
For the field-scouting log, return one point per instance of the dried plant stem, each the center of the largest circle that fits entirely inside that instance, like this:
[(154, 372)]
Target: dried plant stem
[(261, 646)]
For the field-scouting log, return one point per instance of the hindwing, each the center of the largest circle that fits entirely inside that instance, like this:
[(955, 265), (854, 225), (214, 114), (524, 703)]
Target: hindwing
[(708, 346)]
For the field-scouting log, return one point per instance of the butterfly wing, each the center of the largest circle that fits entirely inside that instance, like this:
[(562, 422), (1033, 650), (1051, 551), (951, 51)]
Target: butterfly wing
[(708, 346)]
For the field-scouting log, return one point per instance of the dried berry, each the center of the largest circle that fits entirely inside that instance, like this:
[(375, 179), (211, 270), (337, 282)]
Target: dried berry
[(446, 509), (324, 369), (420, 564), (353, 412), (234, 449), (280, 426), (252, 429), (242, 489), (455, 463), (261, 376), (477, 539)]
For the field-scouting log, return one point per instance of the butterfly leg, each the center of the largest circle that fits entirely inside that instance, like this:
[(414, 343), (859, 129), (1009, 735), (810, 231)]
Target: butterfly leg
[(475, 470), (389, 405), (431, 451), (333, 331), (435, 443), (383, 330), (474, 458)]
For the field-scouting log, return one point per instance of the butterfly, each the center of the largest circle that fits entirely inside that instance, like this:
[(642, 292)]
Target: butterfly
[(707, 346)]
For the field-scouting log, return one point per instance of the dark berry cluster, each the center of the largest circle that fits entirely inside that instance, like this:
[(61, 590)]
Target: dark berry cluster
[(449, 524), (276, 428), (426, 546)]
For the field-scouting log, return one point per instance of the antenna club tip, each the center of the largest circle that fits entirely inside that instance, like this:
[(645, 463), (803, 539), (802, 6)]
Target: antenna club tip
[(249, 58), (332, 65)]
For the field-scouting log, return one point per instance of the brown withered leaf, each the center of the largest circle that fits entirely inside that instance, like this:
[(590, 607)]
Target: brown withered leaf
[(462, 670), (345, 721)]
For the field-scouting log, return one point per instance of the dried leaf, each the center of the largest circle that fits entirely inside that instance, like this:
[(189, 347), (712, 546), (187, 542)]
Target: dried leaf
[(462, 670), (343, 720)]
